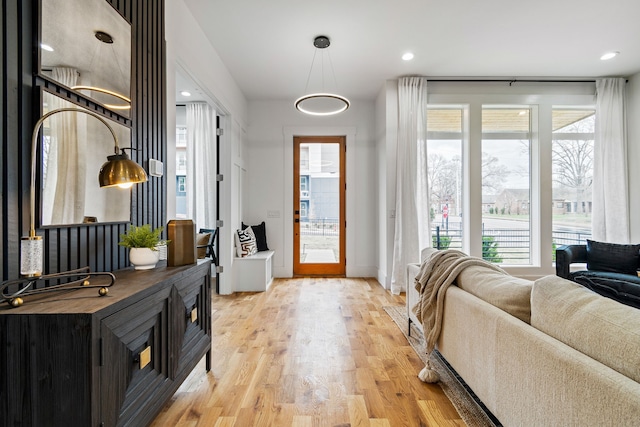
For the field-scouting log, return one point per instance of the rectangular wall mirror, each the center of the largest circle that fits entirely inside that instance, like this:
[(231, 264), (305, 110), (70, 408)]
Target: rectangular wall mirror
[(86, 46), (74, 147)]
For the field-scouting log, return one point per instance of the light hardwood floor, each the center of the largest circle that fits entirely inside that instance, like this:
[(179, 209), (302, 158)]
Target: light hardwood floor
[(309, 352)]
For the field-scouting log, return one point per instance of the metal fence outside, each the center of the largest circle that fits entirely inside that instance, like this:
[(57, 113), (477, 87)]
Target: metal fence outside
[(500, 245), (319, 227), (503, 245)]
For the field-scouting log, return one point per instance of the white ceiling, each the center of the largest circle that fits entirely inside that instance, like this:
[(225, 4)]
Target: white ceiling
[(268, 45), (185, 83), (69, 27)]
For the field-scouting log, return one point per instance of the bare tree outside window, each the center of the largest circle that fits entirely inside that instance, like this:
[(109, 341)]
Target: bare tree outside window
[(494, 174), (573, 162), (442, 179)]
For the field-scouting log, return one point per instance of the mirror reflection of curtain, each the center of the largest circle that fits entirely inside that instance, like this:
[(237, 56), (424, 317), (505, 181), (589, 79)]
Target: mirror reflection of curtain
[(64, 184), (201, 164)]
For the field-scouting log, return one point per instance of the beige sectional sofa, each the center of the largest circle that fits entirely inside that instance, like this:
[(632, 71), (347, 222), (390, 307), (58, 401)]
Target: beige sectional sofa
[(543, 353)]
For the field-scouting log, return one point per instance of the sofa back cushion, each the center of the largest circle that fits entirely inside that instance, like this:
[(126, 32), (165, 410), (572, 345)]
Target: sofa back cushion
[(508, 293), (599, 327)]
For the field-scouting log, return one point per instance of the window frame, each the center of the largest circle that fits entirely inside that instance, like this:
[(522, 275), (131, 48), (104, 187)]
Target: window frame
[(512, 135), (304, 209), (544, 97), (575, 136), (181, 185)]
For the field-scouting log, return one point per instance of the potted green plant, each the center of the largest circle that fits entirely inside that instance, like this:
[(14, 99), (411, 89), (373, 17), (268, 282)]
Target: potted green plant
[(143, 242)]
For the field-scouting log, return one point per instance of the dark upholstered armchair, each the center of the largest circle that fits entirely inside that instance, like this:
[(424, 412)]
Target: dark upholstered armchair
[(612, 270), (620, 262), (567, 255)]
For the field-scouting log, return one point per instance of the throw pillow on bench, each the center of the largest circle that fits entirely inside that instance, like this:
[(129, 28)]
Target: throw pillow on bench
[(260, 231)]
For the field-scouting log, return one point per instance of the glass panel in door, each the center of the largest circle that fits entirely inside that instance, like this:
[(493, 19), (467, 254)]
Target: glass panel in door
[(319, 207)]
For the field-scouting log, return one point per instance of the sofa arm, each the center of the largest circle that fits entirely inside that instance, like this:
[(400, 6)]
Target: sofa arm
[(568, 254), (426, 253)]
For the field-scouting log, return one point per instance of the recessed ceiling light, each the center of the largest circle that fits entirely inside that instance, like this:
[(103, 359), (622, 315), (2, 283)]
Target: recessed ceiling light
[(407, 56), (46, 47), (609, 55), (185, 93)]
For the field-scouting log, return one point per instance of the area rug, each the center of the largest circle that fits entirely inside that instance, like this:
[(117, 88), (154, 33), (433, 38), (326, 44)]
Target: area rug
[(470, 408)]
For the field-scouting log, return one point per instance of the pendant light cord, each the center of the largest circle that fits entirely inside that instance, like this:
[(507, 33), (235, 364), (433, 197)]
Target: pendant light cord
[(306, 87), (333, 72)]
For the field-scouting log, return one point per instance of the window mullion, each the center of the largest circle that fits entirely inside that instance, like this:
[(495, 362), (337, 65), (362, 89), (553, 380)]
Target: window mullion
[(472, 173)]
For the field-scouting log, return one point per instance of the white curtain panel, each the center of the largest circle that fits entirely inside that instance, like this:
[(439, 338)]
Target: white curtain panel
[(201, 164), (412, 228), (64, 186), (610, 217)]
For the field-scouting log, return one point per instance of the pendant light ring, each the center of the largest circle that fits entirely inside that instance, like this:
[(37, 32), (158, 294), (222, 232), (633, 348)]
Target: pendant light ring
[(339, 104), (321, 103)]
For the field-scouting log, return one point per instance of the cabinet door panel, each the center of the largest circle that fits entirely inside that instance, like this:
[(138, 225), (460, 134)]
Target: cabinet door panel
[(194, 303), (135, 356), (45, 369)]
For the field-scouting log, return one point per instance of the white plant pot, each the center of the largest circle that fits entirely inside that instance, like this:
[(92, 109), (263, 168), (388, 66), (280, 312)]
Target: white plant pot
[(143, 258)]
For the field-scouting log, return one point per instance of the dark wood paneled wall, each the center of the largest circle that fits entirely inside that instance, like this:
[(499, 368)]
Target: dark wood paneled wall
[(77, 246)]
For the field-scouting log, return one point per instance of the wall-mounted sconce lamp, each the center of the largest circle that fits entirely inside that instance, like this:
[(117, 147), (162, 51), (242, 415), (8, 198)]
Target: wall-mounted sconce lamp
[(118, 170)]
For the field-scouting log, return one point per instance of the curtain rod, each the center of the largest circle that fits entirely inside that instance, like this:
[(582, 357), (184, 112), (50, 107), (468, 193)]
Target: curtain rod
[(510, 81)]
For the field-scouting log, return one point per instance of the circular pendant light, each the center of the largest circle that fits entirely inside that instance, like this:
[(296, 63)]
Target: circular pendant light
[(321, 103)]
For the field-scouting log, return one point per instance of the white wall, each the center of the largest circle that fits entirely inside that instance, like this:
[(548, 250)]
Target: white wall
[(269, 178), (633, 139), (386, 141), (189, 51)]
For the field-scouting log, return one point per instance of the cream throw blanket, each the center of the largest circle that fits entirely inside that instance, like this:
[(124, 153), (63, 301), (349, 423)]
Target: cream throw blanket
[(436, 274)]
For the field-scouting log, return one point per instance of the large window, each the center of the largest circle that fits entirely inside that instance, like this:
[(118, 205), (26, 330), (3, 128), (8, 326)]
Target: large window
[(573, 133), (506, 190), (444, 166), (510, 174)]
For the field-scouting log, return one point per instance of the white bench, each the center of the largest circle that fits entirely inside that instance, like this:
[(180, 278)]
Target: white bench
[(253, 273)]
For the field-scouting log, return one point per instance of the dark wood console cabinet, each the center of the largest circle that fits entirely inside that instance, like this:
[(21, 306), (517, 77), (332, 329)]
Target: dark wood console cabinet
[(77, 359)]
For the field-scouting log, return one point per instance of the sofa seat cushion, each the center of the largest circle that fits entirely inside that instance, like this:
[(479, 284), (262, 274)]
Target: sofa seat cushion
[(508, 293), (633, 278), (599, 327), (624, 288)]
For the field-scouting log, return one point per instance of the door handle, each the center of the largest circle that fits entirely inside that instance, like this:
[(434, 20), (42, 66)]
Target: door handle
[(297, 219)]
